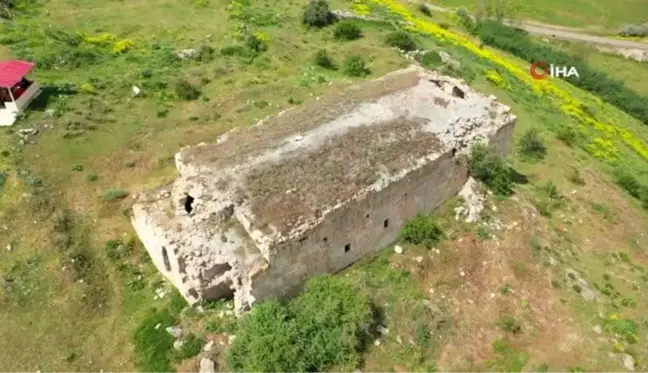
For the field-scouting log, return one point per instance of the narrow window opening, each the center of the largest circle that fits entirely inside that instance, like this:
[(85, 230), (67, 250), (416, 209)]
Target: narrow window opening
[(458, 92), (325, 239), (386, 223), (454, 152), (188, 204), (165, 259), (367, 216), (347, 248)]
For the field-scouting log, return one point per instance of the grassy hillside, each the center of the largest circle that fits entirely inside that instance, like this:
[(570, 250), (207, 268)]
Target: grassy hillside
[(79, 292), (580, 13)]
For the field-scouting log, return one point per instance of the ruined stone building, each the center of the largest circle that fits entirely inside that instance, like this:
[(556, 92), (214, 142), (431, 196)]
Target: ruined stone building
[(317, 187)]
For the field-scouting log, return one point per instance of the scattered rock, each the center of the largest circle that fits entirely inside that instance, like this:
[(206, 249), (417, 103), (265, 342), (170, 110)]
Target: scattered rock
[(382, 330), (9, 247), (207, 366), (597, 329), (208, 347), (345, 14), (473, 204), (175, 331), (398, 249), (552, 261), (377, 342), (628, 362), (49, 113), (585, 290), (136, 91), (157, 326), (419, 259), (230, 339), (177, 344), (188, 53)]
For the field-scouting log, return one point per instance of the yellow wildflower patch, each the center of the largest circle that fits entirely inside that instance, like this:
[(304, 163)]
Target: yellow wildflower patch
[(567, 103), (495, 78)]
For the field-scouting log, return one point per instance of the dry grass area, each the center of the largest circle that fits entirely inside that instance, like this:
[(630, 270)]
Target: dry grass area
[(471, 284)]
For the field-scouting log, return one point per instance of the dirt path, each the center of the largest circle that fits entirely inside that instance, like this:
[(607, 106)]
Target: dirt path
[(563, 33)]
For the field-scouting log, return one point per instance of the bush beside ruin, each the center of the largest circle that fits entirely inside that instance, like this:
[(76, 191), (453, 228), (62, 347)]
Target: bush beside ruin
[(326, 325)]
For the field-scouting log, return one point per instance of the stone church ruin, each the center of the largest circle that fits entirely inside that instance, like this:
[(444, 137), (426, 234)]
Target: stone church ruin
[(314, 189)]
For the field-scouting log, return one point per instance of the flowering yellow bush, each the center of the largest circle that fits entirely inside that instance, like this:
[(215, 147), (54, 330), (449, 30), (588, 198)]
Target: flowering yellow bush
[(603, 149), (495, 78), (566, 102), (122, 46), (109, 40), (100, 39), (359, 7)]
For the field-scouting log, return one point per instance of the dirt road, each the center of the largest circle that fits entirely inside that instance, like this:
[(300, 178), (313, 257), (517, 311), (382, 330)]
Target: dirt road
[(563, 33)]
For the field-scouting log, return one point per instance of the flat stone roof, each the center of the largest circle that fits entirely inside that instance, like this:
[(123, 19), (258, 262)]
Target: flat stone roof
[(290, 170)]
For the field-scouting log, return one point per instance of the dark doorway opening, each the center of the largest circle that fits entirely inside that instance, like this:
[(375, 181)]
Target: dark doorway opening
[(347, 248), (386, 223), (188, 204)]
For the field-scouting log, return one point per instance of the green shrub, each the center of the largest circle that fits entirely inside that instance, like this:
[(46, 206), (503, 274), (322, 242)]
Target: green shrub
[(422, 230), (116, 249), (531, 145), (347, 31), (465, 20), (115, 194), (152, 344), (356, 66), (490, 169), (190, 348), (574, 176), (567, 134), (318, 14), (326, 325), (254, 43), (509, 324), (186, 90), (430, 59), (425, 10), (519, 43), (335, 320), (628, 182), (634, 31), (235, 50), (323, 59), (401, 40), (423, 334)]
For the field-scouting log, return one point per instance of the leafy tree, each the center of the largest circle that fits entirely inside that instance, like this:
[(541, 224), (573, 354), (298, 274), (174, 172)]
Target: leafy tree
[(318, 14)]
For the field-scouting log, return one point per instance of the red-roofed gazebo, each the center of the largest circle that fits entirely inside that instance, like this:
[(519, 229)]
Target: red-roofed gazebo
[(16, 92)]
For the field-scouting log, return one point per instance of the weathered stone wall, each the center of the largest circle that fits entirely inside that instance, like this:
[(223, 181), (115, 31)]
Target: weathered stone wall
[(365, 226), (358, 229)]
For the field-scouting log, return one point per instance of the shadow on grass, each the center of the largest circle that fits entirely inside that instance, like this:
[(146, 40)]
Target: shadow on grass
[(517, 177), (48, 93)]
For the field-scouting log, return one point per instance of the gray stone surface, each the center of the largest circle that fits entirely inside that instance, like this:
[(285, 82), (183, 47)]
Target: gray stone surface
[(315, 188)]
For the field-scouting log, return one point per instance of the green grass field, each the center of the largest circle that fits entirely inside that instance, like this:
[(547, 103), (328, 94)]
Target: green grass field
[(579, 13), (632, 73), (69, 302)]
